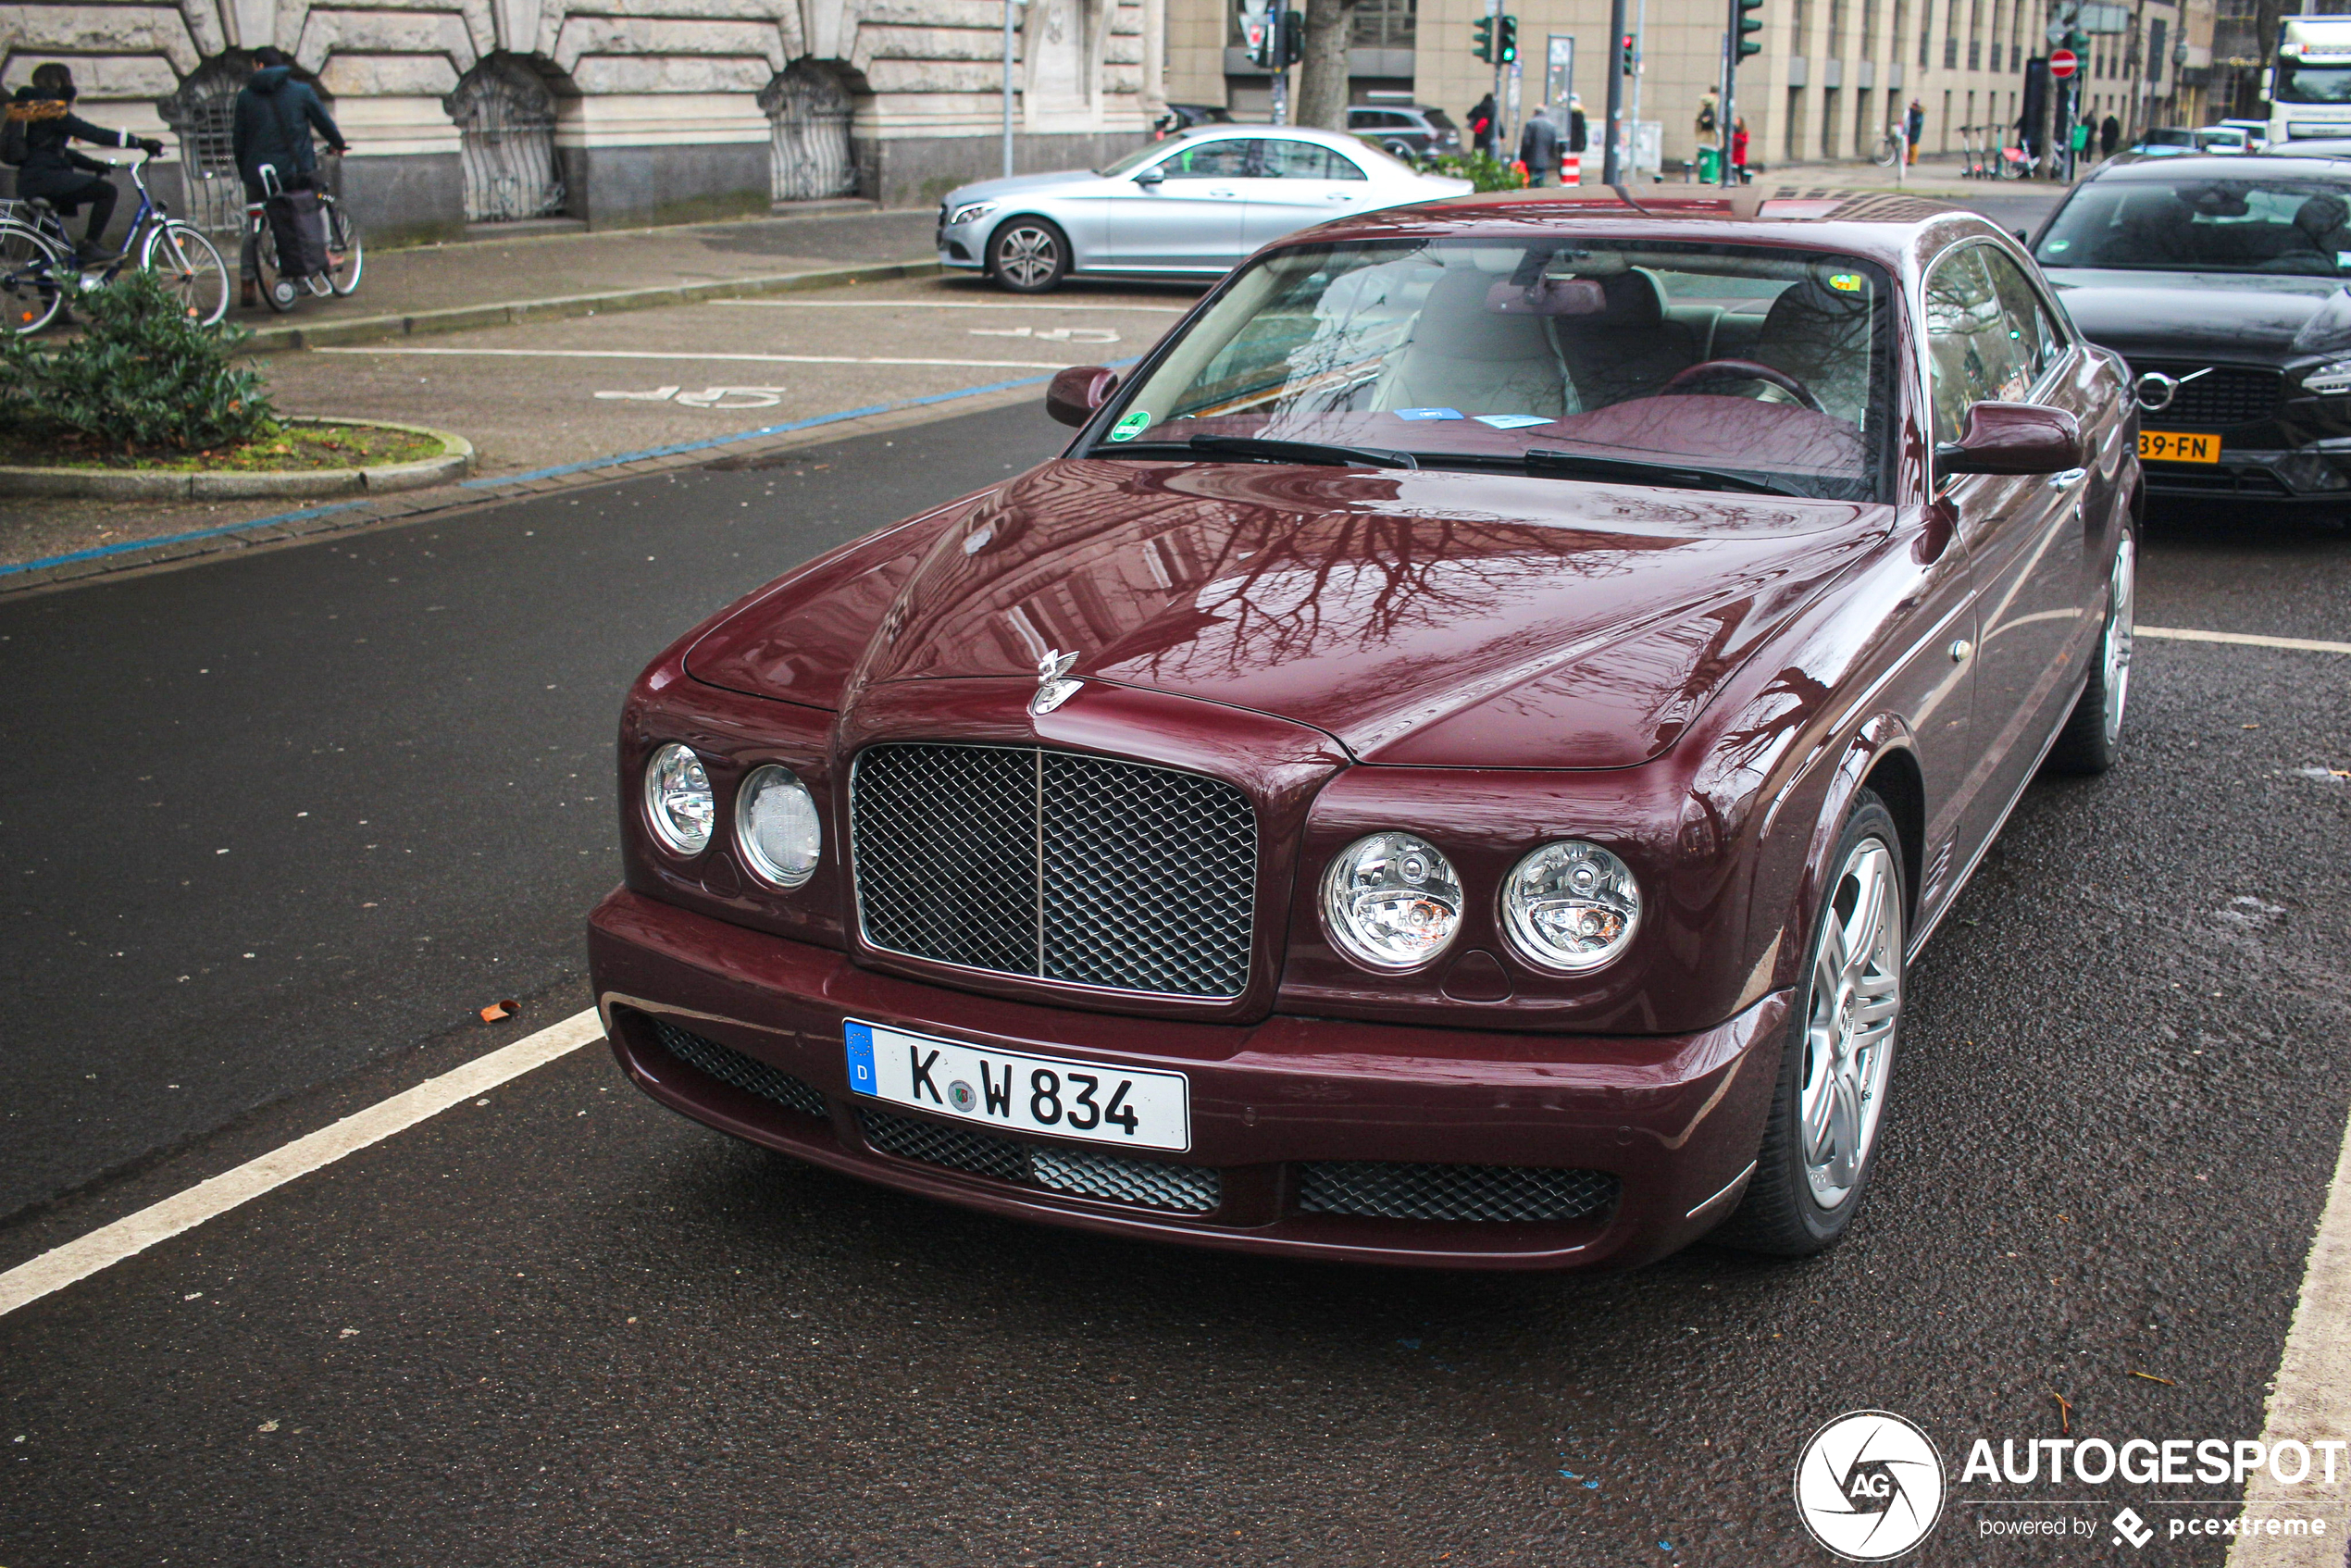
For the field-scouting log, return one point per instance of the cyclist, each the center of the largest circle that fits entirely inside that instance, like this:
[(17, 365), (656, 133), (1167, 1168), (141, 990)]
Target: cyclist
[(274, 115), (51, 170)]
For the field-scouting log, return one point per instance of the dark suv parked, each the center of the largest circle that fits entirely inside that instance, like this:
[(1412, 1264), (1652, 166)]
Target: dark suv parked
[(1406, 130)]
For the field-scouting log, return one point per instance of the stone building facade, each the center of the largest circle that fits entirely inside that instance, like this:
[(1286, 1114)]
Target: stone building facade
[(621, 113)]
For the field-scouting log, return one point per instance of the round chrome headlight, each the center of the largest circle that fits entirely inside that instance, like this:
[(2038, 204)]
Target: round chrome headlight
[(1570, 905), (678, 799), (1391, 901), (777, 826)]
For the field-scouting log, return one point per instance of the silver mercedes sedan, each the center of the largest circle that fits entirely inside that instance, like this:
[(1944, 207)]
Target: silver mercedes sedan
[(1190, 206)]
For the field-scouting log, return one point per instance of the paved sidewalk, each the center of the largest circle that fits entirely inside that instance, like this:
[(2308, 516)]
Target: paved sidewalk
[(448, 287)]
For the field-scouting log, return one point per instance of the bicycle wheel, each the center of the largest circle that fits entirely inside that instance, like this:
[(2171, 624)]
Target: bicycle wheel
[(277, 290), (1886, 152), (30, 267), (191, 268), (344, 254)]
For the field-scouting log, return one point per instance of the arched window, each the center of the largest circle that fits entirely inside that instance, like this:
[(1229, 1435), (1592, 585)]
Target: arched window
[(809, 109), (506, 137)]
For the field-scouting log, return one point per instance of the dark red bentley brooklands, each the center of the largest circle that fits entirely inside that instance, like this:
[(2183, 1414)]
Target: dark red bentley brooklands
[(1449, 768)]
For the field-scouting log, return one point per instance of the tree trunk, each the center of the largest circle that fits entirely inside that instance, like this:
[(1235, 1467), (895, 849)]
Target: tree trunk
[(1321, 77)]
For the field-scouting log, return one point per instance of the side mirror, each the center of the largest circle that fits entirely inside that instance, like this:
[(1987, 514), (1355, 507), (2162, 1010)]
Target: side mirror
[(2009, 438), (1150, 178), (1077, 392)]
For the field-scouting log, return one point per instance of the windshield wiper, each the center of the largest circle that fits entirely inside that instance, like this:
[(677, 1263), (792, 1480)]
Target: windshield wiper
[(1259, 446), (1688, 475)]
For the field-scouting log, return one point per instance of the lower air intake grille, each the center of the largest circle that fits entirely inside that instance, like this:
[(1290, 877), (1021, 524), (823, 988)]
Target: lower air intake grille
[(2220, 396), (1388, 1192), (1188, 1190), (734, 1068)]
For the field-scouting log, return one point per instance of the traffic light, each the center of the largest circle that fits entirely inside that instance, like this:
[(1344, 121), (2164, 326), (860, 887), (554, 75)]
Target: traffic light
[(1293, 38), (1484, 34), (1628, 56), (1748, 25), (1506, 43)]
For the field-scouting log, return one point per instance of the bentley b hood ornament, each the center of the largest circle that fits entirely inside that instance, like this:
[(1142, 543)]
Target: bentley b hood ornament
[(1052, 689)]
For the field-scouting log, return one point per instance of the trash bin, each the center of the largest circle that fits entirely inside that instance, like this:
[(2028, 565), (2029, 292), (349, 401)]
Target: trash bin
[(1709, 164)]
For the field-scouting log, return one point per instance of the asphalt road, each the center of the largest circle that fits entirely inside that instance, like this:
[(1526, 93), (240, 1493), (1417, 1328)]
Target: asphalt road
[(562, 1325)]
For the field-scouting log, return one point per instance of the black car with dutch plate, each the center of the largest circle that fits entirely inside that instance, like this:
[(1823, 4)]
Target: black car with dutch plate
[(2221, 281)]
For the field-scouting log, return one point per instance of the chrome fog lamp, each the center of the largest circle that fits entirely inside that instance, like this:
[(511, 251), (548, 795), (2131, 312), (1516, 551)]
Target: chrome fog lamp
[(777, 826), (1570, 905), (1391, 901), (678, 799)]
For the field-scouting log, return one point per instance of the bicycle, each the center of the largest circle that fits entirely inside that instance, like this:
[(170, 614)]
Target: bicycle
[(1889, 149), (38, 259), (346, 254)]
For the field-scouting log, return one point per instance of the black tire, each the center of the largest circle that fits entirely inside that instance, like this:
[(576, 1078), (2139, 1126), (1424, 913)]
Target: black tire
[(1781, 1215), (277, 290), (1028, 255), (346, 253), (2091, 739)]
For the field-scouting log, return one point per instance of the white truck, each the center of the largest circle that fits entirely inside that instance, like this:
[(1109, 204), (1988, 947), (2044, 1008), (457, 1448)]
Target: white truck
[(2309, 83)]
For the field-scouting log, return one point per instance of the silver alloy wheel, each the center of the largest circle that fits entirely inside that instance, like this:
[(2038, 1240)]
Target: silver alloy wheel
[(1848, 1038), (1028, 255), (2114, 650)]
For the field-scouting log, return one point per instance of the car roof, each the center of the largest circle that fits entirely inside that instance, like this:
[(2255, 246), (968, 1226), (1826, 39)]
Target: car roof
[(2276, 162), (1885, 227), (1222, 131)]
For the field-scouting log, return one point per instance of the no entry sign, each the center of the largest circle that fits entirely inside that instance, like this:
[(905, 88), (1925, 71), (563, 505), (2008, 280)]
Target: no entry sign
[(2063, 64)]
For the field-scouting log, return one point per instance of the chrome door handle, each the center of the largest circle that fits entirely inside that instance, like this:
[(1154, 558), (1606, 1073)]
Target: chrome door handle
[(2067, 479), (1227, 194)]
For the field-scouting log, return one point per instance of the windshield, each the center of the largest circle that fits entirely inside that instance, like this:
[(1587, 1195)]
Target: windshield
[(1133, 160), (2312, 84), (1471, 354), (2295, 227)]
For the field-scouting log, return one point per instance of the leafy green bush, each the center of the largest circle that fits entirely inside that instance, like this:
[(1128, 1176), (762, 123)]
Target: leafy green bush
[(142, 376), (1481, 169)]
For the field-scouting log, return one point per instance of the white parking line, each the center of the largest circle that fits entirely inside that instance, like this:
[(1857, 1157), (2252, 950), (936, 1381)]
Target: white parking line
[(2312, 1398), (2245, 639), (84, 1256), (688, 354), (1073, 307)]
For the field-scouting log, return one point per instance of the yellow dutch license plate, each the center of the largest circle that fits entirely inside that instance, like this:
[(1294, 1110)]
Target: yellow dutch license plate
[(2170, 446)]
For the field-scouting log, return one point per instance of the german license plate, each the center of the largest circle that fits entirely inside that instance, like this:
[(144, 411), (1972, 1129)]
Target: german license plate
[(2170, 446), (1015, 1093)]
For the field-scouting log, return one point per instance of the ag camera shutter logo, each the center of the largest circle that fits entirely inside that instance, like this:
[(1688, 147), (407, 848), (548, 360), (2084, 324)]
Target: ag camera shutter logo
[(1868, 1486)]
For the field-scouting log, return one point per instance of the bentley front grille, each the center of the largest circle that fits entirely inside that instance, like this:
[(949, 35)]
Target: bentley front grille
[(1382, 1189), (2218, 397), (1055, 866), (1116, 1178), (733, 1068)]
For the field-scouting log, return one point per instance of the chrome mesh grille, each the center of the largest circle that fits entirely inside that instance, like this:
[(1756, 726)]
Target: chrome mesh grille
[(1189, 1189), (2222, 396), (734, 1068), (1390, 1191), (1053, 865)]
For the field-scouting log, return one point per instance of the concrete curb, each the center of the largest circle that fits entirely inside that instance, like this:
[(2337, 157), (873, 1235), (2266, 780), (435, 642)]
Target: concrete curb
[(471, 318), (455, 459)]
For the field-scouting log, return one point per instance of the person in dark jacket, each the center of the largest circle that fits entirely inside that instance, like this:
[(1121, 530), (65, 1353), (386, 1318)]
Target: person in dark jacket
[(2110, 136), (275, 116), (51, 170), (1538, 149), (1482, 128)]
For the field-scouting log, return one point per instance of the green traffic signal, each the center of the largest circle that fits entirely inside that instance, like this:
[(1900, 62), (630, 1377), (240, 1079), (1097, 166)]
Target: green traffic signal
[(1748, 24), (1506, 44), (1483, 33)]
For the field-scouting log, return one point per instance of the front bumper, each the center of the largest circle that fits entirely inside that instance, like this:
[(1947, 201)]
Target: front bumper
[(1670, 1123), (2314, 476)]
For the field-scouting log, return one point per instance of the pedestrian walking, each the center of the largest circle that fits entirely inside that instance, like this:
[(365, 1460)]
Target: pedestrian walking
[(1482, 127), (2109, 137), (41, 120), (1710, 115), (1538, 148), (1913, 129), (1738, 149), (275, 116)]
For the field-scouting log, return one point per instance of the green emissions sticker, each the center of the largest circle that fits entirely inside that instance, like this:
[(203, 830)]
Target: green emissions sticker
[(1845, 282), (1135, 424)]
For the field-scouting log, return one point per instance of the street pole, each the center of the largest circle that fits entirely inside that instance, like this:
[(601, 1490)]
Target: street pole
[(1281, 64), (1612, 171), (1503, 144), (1008, 87), (1728, 112)]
